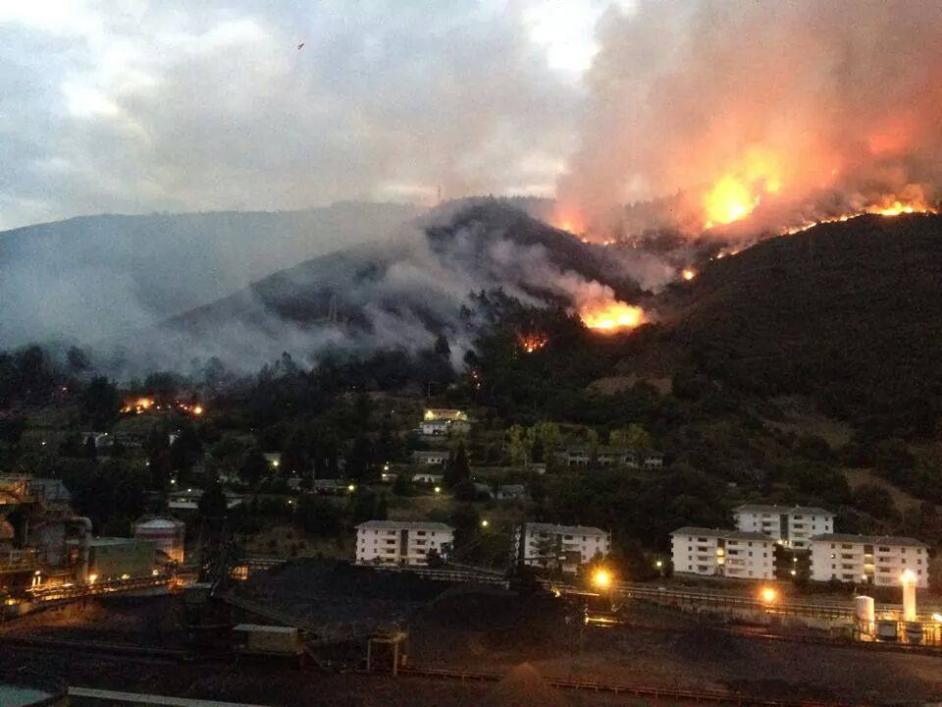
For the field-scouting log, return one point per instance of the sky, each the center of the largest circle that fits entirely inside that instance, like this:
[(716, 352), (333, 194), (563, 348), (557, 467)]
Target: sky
[(130, 106)]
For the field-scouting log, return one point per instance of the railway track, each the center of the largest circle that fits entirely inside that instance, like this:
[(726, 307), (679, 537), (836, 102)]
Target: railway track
[(125, 651)]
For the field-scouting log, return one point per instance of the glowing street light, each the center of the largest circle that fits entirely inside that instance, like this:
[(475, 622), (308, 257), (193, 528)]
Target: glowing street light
[(601, 578), (438, 489), (659, 564), (768, 595), (485, 523), (351, 488)]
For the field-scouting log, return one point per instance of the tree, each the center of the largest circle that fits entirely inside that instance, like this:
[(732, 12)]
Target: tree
[(382, 508), (458, 470), (254, 467), (77, 360), (91, 449), (517, 445), (466, 522), (403, 485), (186, 449), (441, 346), (359, 462), (634, 437), (213, 507), (319, 516), (100, 402)]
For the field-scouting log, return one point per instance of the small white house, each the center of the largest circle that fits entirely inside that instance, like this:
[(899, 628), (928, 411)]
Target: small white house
[(790, 526), (717, 552), (435, 457), (568, 546), (438, 422), (427, 478), (652, 460), (390, 542), (874, 559)]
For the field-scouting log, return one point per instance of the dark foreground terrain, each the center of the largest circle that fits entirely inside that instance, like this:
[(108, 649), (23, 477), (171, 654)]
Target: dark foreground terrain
[(521, 643)]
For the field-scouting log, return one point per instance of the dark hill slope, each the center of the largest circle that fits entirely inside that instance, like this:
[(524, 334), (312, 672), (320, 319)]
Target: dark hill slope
[(850, 312), (396, 294), (94, 276)]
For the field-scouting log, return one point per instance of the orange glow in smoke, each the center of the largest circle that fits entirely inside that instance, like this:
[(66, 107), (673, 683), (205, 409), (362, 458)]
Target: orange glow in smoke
[(612, 316), (568, 218), (688, 274), (738, 192)]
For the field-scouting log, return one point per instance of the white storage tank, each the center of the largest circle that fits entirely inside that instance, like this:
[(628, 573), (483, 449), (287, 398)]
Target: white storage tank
[(865, 614), (166, 533)]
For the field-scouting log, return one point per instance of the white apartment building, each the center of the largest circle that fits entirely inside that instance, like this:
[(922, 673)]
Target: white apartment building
[(723, 553), (791, 526), (565, 546), (875, 559), (390, 542)]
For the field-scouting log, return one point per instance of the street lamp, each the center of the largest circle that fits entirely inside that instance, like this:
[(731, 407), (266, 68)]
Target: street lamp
[(485, 523), (601, 578), (768, 595), (438, 489)]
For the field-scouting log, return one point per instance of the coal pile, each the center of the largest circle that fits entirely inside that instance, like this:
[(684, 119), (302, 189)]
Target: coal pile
[(341, 600)]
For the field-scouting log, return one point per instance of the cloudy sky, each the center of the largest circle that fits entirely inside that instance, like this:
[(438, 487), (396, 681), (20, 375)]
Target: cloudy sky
[(133, 106)]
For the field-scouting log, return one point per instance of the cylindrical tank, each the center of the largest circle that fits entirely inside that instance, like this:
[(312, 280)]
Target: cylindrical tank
[(913, 632), (865, 614), (166, 533), (908, 581)]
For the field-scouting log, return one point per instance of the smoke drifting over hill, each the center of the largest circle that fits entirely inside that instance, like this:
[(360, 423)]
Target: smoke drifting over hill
[(399, 293), (775, 113)]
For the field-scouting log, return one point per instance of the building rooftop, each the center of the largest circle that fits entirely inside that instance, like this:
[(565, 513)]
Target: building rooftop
[(564, 529), (721, 533), (869, 539), (264, 628), (404, 525), (26, 696), (763, 508), (160, 523), (433, 414)]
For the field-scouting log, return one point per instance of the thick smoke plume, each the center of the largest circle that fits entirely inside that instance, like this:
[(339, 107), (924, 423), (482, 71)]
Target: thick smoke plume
[(399, 292), (771, 113)]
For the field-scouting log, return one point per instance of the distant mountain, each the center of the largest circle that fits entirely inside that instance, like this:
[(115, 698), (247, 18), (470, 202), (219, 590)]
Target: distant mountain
[(90, 277), (848, 312), (401, 293)]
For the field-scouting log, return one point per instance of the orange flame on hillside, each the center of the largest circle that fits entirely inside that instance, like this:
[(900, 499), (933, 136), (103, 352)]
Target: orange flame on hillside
[(138, 406), (889, 208), (738, 192), (612, 316), (568, 218), (532, 342)]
